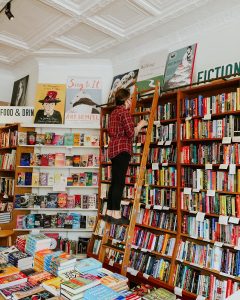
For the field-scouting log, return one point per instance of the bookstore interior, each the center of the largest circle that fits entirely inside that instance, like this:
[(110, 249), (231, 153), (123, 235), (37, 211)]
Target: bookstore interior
[(86, 86)]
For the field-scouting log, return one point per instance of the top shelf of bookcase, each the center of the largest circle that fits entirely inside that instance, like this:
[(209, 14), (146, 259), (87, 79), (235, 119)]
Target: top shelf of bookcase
[(61, 126)]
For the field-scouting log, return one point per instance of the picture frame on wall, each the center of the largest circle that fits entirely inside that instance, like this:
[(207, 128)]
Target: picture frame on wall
[(19, 92)]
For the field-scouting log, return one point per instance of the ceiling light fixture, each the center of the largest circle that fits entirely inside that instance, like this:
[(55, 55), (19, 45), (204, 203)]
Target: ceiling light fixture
[(8, 11)]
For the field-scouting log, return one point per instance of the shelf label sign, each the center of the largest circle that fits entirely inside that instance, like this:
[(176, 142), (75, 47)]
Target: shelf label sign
[(16, 114)]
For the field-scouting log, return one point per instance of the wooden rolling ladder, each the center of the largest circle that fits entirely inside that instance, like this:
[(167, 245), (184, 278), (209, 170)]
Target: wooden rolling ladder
[(138, 184)]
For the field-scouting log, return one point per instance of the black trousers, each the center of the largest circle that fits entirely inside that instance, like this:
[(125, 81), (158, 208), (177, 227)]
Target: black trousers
[(119, 169)]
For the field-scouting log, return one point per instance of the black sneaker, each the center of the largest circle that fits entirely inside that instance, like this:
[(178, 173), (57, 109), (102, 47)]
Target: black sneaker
[(120, 221), (107, 218)]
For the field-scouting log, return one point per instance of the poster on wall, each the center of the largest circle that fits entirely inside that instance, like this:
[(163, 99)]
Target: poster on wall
[(19, 92), (179, 67), (126, 80), (82, 97), (151, 70), (50, 104)]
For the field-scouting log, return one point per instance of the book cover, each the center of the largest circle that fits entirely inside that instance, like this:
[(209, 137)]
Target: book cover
[(49, 138), (94, 140), (28, 178), (58, 140), (75, 179), (8, 281), (22, 138), (51, 159), (76, 139), (25, 159), (60, 159), (84, 160), (43, 179), (78, 284), (179, 67), (69, 181), (40, 139), (87, 140), (69, 161), (70, 201), (62, 200), (82, 179), (31, 137), (21, 178), (68, 139), (52, 200), (44, 160), (76, 160)]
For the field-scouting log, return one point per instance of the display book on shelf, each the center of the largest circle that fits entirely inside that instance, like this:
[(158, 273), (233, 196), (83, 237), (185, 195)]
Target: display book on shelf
[(198, 204), (56, 185)]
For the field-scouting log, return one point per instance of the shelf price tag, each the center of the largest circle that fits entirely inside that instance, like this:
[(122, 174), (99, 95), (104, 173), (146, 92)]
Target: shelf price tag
[(207, 117), (226, 140), (155, 166), (134, 272), (139, 144), (223, 166), (195, 190), (159, 207), (187, 191), (233, 220), (236, 139), (160, 143), (223, 220), (165, 164), (111, 262), (168, 143), (165, 208), (156, 123), (200, 216), (237, 247), (188, 118), (35, 231), (178, 291), (208, 166), (211, 193), (134, 246), (218, 244), (148, 206), (232, 169)]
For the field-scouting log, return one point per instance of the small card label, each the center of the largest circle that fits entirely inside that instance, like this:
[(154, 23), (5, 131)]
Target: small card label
[(200, 216), (232, 169), (223, 166), (159, 207), (208, 166), (165, 164), (207, 117), (146, 275), (155, 166), (178, 291), (160, 143), (223, 220), (187, 191), (188, 118), (199, 297), (218, 244), (168, 143), (211, 193), (226, 140), (233, 220)]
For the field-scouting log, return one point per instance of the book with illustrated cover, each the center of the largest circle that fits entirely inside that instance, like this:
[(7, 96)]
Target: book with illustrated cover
[(76, 139), (44, 160), (58, 140), (28, 178), (90, 222), (78, 284), (25, 159), (82, 139), (94, 179), (8, 271), (49, 138), (40, 139), (70, 201), (7, 292), (35, 178), (87, 140), (50, 179), (35, 159), (53, 285), (78, 200), (51, 159), (10, 280), (43, 178), (90, 160), (84, 201), (84, 160), (62, 200), (68, 139), (76, 160), (82, 179), (52, 200), (94, 140), (31, 137), (83, 221), (22, 138), (29, 295), (61, 219), (68, 221), (92, 201), (21, 178), (69, 161), (59, 159), (69, 181), (75, 178), (89, 176)]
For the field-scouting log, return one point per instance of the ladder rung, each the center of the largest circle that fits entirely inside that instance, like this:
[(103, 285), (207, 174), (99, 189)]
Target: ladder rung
[(113, 247)]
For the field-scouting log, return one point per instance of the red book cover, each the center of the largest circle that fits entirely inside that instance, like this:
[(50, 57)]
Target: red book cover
[(238, 206), (44, 160)]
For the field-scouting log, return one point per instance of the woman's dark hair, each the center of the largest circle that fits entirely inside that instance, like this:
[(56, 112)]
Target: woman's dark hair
[(121, 96)]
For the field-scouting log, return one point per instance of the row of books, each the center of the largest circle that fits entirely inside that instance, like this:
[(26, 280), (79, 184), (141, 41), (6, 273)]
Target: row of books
[(118, 232), (227, 205), (210, 179), (210, 256), (75, 247), (214, 153), (207, 286), (6, 206), (50, 179), (51, 138), (8, 160), (166, 176), (215, 104), (146, 240), (7, 186), (164, 133), (58, 160), (210, 229), (59, 220), (157, 218), (158, 197), (228, 126), (162, 155), (8, 138), (56, 200), (149, 264), (166, 111)]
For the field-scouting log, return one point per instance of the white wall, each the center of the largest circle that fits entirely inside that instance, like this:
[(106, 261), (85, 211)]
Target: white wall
[(57, 71), (6, 84)]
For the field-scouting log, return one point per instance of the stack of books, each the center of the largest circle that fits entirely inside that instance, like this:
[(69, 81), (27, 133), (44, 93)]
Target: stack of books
[(39, 277), (37, 242), (39, 259), (21, 260), (21, 242), (87, 265), (62, 263)]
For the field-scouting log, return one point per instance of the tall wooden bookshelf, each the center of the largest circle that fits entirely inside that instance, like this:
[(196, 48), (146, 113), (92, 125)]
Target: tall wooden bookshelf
[(206, 194)]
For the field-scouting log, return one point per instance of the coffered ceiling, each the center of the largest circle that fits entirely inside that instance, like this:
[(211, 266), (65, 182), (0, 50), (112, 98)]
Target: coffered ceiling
[(89, 28)]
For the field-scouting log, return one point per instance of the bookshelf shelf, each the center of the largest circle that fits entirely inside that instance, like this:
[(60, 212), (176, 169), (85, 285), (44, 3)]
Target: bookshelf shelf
[(113, 247), (60, 146), (50, 186), (216, 191), (156, 228), (141, 113), (4, 170), (56, 229), (202, 140), (57, 209), (9, 148), (62, 126), (57, 167)]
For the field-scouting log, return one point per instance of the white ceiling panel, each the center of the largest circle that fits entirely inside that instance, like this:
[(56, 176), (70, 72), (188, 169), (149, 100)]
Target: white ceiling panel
[(102, 28)]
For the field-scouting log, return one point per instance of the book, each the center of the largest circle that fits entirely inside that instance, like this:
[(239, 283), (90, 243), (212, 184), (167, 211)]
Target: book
[(68, 139), (78, 285), (160, 294), (76, 139), (62, 200), (88, 264), (40, 139), (25, 159), (31, 137), (59, 159), (43, 178), (8, 281), (8, 271), (69, 161), (52, 200), (76, 160), (22, 138), (21, 178), (53, 285), (49, 138)]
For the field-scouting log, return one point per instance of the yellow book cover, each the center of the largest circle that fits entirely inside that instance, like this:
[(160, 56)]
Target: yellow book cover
[(50, 104), (238, 180), (238, 98), (9, 270), (35, 179), (165, 241), (76, 139)]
